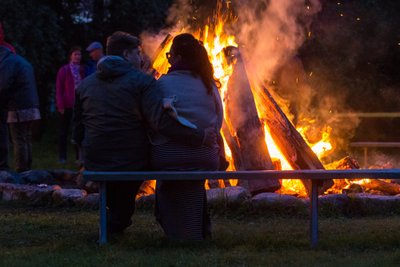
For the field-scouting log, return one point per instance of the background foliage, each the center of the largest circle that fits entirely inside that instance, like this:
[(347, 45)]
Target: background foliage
[(354, 50)]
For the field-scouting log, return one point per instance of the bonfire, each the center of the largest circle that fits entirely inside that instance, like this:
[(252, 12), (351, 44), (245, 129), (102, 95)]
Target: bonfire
[(257, 131)]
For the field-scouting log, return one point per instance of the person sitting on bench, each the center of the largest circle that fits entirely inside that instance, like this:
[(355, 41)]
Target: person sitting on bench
[(112, 114)]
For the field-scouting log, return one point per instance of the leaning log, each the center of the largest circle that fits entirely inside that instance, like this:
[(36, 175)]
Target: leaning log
[(154, 65), (292, 145), (245, 124)]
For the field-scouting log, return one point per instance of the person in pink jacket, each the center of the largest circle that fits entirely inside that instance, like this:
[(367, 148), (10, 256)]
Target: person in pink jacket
[(69, 77)]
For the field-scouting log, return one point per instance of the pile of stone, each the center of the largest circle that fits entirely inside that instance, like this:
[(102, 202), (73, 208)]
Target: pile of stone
[(48, 187), (67, 188)]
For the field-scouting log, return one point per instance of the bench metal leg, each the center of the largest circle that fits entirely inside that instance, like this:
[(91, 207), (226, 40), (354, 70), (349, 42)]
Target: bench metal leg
[(314, 213), (103, 214)]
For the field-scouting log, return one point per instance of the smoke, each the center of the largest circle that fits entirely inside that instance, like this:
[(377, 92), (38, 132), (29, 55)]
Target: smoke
[(271, 32), (179, 16), (375, 159)]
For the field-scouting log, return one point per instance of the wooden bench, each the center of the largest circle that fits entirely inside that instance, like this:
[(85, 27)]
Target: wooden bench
[(316, 177)]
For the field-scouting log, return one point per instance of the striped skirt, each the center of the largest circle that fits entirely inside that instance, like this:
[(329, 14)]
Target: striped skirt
[(181, 206)]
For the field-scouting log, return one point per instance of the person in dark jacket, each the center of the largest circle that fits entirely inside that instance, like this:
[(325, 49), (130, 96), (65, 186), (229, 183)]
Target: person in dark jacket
[(19, 106), (113, 111)]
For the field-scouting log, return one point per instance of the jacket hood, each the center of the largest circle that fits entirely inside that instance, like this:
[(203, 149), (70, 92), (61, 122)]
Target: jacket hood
[(4, 52), (112, 67)]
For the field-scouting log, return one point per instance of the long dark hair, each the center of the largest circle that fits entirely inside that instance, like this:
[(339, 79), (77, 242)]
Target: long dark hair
[(195, 56)]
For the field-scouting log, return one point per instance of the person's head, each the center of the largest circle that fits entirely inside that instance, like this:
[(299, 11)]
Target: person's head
[(126, 46), (95, 50), (189, 51), (75, 55)]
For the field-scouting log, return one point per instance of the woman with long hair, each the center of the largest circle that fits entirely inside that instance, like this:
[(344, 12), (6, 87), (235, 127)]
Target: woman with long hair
[(190, 91)]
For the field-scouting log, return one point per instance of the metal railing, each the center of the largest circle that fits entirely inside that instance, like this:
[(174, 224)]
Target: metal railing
[(366, 145), (316, 177)]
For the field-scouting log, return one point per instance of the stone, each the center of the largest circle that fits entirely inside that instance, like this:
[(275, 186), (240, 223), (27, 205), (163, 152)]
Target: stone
[(7, 177), (335, 203), (230, 194), (376, 198), (89, 201), (91, 187), (36, 177), (277, 199), (68, 197), (339, 200), (374, 204), (65, 176), (30, 194)]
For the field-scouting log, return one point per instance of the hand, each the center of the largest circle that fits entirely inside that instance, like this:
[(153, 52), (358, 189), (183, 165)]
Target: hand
[(210, 137)]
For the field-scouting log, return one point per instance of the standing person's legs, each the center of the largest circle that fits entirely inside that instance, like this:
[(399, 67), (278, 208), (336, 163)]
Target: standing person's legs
[(21, 136), (3, 142), (121, 204), (63, 129)]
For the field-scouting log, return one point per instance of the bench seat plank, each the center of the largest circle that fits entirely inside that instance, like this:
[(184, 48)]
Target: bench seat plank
[(264, 174)]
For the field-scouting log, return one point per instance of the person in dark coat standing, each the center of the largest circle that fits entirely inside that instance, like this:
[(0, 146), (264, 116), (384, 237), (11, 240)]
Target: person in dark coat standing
[(19, 106), (113, 112)]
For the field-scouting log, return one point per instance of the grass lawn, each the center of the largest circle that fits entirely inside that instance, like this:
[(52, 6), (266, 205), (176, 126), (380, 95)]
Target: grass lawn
[(42, 236), (37, 236)]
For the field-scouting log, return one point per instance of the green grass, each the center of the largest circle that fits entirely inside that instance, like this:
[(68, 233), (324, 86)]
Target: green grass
[(67, 237), (243, 235)]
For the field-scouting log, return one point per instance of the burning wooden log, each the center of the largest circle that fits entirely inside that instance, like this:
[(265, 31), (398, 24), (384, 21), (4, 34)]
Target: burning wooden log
[(151, 66), (295, 149), (346, 163), (385, 187), (288, 139), (248, 131), (351, 185), (233, 146)]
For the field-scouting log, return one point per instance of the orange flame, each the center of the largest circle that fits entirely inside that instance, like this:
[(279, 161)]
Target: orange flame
[(215, 39)]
